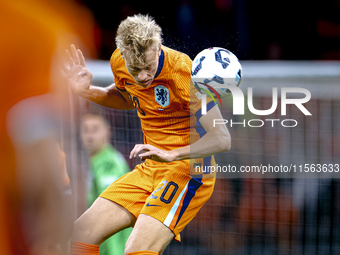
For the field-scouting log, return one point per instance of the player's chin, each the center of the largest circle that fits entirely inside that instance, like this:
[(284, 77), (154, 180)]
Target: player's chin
[(145, 84)]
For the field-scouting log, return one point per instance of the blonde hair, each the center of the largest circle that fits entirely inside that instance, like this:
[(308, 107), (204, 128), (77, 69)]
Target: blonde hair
[(137, 34)]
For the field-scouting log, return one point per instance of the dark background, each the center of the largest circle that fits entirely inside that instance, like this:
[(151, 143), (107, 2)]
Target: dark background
[(257, 30)]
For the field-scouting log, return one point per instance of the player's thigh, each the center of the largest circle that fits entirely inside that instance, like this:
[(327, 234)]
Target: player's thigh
[(148, 234), (103, 219)]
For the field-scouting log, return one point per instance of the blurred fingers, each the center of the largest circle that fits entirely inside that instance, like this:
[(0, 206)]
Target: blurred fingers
[(74, 54), (68, 58), (81, 58)]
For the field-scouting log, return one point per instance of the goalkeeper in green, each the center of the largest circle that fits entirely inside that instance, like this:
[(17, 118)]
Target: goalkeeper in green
[(106, 165)]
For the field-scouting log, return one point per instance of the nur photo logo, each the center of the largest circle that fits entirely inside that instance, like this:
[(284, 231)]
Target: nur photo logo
[(238, 106)]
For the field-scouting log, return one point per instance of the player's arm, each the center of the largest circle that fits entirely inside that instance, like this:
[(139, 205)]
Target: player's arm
[(108, 96), (79, 79), (216, 140)]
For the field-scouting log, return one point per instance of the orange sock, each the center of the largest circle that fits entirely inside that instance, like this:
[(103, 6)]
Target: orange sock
[(79, 248), (143, 253)]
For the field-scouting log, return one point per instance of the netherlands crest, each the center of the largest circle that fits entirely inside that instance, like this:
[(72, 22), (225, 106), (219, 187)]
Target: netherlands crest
[(162, 95)]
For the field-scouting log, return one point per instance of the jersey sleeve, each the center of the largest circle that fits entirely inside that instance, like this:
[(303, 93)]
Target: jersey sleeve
[(115, 63), (188, 94)]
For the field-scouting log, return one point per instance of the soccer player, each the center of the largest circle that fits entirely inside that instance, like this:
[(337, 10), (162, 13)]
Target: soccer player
[(161, 195), (106, 165)]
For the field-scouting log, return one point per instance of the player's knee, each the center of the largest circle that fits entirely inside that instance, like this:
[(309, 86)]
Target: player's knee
[(143, 253), (128, 251), (85, 230), (81, 232), (132, 247), (136, 246)]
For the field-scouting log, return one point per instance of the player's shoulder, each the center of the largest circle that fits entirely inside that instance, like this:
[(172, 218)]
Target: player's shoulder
[(116, 61), (176, 58), (105, 153), (116, 55)]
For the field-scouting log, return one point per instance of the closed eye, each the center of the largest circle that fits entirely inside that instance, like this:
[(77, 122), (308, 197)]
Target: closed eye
[(135, 69)]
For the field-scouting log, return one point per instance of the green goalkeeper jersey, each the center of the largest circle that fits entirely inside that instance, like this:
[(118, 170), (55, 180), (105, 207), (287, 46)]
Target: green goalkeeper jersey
[(105, 167)]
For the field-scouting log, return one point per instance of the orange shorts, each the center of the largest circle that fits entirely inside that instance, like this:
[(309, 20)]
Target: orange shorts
[(164, 191)]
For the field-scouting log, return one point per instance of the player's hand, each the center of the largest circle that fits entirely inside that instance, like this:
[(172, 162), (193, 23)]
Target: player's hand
[(145, 151), (78, 76)]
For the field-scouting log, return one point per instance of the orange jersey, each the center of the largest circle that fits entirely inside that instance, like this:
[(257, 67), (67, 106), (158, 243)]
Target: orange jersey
[(167, 108)]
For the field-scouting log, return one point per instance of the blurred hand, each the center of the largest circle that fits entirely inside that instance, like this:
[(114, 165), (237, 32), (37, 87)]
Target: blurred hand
[(78, 76)]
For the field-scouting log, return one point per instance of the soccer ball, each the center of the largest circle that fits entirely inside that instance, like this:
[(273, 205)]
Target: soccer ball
[(214, 66)]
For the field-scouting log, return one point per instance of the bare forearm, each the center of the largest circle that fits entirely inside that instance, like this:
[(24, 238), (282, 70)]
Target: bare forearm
[(216, 140), (106, 96), (94, 93), (211, 143)]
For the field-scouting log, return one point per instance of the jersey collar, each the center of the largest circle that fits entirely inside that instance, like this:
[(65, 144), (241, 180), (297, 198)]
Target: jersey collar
[(160, 64)]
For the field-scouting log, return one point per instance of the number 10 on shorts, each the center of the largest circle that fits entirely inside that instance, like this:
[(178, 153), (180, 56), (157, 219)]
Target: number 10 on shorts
[(170, 189)]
